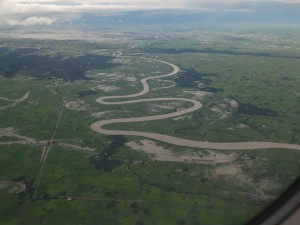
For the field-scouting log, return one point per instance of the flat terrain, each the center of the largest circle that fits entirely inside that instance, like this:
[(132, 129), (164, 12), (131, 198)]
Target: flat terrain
[(195, 126), (168, 139)]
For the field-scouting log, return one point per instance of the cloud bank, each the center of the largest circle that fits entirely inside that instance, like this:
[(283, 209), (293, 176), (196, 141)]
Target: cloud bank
[(8, 7), (35, 12), (30, 21)]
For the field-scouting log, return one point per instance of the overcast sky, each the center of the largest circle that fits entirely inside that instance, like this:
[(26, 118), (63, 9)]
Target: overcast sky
[(47, 12)]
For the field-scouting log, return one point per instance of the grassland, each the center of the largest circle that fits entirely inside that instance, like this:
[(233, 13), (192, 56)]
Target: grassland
[(87, 177)]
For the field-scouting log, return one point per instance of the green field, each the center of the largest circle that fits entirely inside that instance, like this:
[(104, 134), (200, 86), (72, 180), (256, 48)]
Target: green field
[(248, 86)]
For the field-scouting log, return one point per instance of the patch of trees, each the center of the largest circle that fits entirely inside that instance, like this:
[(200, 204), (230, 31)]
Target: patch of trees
[(46, 67), (29, 184), (86, 93), (104, 161), (222, 52), (191, 78), (255, 110), (135, 207)]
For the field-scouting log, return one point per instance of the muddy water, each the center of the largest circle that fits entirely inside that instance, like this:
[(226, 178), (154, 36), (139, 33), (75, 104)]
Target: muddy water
[(98, 126)]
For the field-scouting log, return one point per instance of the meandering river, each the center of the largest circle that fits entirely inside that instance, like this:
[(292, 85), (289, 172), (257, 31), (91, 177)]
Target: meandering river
[(98, 126)]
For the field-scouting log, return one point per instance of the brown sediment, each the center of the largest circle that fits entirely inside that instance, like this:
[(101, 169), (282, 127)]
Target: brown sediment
[(98, 126)]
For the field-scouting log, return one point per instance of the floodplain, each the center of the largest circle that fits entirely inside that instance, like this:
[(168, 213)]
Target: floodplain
[(55, 169)]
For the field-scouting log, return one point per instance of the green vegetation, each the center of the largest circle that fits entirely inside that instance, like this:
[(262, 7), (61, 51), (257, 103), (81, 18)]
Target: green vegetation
[(246, 81), (70, 173)]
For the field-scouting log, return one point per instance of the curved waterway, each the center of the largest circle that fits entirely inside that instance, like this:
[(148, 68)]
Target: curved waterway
[(98, 126)]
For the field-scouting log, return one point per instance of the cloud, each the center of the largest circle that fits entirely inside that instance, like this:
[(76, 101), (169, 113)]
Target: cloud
[(15, 7), (12, 11), (76, 6), (31, 21)]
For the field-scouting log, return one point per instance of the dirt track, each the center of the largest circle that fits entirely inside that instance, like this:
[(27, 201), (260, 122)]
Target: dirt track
[(14, 102), (12, 187)]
